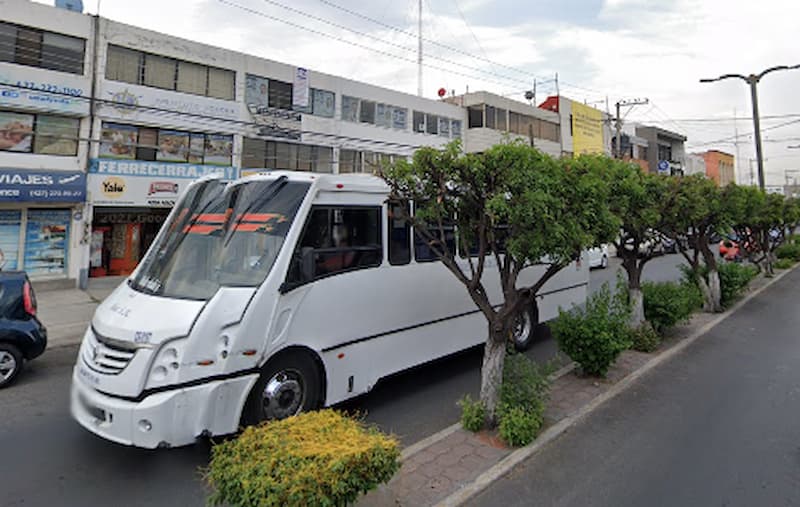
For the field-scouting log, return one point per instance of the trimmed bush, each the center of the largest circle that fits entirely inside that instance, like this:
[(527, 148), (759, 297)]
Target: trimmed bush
[(668, 303), (789, 250), (644, 338), (315, 458), (473, 414), (784, 263), (595, 335), (522, 398), (733, 279)]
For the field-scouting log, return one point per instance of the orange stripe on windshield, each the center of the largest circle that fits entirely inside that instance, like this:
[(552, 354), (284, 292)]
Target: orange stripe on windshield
[(214, 218), (253, 227), (260, 217), (201, 229)]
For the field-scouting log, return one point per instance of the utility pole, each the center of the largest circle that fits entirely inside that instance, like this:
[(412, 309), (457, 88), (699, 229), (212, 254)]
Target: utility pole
[(419, 53), (618, 124), (753, 80)]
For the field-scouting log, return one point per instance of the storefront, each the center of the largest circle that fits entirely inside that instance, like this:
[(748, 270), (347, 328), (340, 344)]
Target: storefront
[(131, 199), (37, 213)]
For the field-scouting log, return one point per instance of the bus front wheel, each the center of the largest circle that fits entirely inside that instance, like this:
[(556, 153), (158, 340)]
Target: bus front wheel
[(288, 385), (523, 327)]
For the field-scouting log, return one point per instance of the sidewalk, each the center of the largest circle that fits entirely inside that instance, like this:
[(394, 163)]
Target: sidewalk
[(67, 312), (450, 467)]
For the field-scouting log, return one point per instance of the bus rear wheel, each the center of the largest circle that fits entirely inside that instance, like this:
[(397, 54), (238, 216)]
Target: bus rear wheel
[(288, 385), (523, 327)]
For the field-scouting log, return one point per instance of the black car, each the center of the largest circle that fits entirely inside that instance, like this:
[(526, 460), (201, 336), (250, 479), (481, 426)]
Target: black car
[(22, 336)]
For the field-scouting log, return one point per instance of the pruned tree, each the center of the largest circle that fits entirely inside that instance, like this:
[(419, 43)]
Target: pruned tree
[(761, 222), (512, 204), (637, 199), (693, 213)]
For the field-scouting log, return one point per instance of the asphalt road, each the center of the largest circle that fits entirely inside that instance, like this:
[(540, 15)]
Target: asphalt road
[(46, 459), (716, 425)]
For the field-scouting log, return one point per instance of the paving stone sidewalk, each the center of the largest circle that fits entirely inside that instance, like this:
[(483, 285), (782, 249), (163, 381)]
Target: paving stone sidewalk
[(433, 473)]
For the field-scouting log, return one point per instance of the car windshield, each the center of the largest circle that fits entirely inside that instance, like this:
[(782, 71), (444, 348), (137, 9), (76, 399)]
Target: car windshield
[(220, 235)]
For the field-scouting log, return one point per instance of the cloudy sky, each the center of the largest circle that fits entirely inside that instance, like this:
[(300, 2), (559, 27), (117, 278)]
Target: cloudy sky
[(602, 50)]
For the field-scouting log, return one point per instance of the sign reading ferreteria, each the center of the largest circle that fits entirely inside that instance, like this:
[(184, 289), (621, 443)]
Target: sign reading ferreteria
[(26, 185), (142, 183), (587, 129)]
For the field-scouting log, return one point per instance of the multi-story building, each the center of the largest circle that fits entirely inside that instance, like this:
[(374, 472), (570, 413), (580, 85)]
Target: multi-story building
[(45, 83), (695, 164), (492, 119), (165, 111), (665, 150), (719, 166)]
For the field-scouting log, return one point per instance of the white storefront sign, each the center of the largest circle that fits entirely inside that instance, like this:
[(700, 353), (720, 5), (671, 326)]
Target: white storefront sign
[(44, 91), (141, 183)]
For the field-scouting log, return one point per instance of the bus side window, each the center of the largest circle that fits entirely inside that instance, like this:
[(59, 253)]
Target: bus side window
[(399, 236)]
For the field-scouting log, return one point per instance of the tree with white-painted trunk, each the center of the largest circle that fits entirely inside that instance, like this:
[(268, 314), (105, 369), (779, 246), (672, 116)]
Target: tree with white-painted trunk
[(513, 204), (636, 198), (694, 211)]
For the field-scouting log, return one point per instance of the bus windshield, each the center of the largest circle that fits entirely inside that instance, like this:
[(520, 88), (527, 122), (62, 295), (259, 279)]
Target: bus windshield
[(221, 235)]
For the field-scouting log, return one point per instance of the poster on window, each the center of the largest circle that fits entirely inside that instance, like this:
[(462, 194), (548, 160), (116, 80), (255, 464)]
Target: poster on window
[(56, 135), (399, 118), (10, 221), (16, 131), (197, 146), (46, 241), (218, 149), (118, 141), (300, 90), (173, 146), (256, 91)]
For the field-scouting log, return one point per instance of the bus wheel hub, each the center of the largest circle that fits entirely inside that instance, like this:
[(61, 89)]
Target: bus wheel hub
[(283, 395)]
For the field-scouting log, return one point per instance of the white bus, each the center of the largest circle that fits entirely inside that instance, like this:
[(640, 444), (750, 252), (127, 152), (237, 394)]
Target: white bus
[(270, 295)]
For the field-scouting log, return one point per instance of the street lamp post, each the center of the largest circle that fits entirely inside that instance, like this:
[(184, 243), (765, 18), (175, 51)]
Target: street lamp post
[(753, 80)]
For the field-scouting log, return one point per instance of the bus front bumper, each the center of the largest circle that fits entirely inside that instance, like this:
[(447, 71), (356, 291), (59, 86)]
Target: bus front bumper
[(165, 419)]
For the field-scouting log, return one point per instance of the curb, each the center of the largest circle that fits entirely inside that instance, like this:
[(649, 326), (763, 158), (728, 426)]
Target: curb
[(440, 435), (505, 465)]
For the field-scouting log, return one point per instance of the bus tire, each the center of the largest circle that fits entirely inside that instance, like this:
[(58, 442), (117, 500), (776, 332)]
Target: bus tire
[(524, 326), (288, 385)]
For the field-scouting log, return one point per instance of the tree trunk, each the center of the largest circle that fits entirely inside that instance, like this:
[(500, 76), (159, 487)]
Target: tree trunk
[(715, 291), (494, 356), (637, 307), (705, 290)]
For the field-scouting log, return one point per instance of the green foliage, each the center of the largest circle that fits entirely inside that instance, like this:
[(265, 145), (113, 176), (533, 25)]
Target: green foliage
[(595, 335), (790, 250), (473, 414), (733, 279), (519, 427), (316, 458), (522, 400), (644, 338), (784, 263), (668, 303)]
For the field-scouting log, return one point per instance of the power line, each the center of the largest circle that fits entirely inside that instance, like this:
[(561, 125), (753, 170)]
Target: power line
[(727, 139), (429, 41), (361, 34)]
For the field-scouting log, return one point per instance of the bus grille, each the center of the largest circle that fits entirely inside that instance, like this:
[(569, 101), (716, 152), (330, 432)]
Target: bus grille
[(104, 357)]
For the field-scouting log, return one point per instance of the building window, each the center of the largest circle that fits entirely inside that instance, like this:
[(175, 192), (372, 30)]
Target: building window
[(419, 122), (399, 235), (643, 152), (664, 152), (383, 115), (349, 161), (514, 122), (137, 67), (444, 127), (349, 108), (42, 134), (164, 145), (490, 119), (475, 117), (323, 103), (280, 94), (399, 118), (501, 122), (39, 48), (367, 112), (431, 124), (258, 154), (548, 131), (455, 129)]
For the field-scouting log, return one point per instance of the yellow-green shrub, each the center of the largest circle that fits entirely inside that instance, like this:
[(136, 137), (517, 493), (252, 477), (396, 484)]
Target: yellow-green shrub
[(317, 458)]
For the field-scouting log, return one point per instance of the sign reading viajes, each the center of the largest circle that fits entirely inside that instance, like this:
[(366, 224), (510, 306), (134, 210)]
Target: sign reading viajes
[(270, 122), (587, 129)]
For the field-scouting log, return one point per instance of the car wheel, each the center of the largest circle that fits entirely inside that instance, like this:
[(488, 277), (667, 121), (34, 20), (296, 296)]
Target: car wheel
[(11, 362), (288, 385), (604, 262), (523, 327)]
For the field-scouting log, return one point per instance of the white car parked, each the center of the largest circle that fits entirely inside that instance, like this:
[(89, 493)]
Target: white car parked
[(598, 256)]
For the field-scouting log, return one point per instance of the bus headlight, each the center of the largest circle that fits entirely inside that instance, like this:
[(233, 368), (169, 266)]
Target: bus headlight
[(166, 365)]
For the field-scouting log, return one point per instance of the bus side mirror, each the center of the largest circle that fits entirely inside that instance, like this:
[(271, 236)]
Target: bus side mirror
[(307, 265)]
